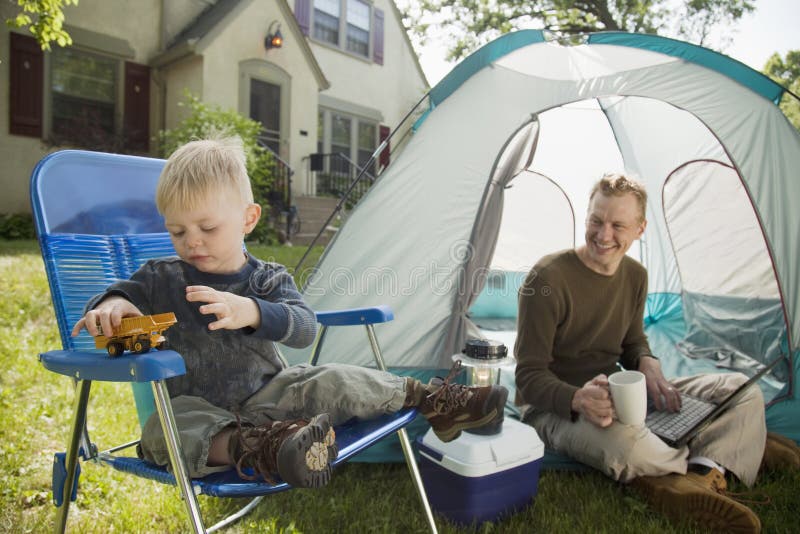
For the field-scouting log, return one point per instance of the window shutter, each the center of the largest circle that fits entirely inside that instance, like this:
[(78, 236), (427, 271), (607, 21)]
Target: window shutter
[(26, 89), (383, 135), (136, 127), (302, 12), (377, 36)]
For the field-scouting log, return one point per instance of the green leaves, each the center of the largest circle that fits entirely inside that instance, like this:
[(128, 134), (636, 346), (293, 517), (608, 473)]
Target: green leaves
[(44, 19), (786, 71), (472, 23)]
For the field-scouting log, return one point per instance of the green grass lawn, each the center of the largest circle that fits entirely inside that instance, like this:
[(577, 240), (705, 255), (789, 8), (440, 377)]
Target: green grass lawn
[(36, 406)]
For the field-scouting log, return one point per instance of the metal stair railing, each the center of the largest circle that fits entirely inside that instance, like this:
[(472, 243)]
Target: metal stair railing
[(280, 193), (336, 172)]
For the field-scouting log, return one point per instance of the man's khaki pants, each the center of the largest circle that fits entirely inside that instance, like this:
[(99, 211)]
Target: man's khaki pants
[(623, 452)]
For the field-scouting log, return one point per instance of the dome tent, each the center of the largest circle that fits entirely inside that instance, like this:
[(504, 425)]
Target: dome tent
[(449, 229)]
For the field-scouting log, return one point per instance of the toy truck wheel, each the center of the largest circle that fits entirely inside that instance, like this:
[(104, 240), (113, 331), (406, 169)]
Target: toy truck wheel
[(114, 349), (141, 345)]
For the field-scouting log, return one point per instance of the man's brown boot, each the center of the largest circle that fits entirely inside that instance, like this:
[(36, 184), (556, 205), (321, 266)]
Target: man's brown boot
[(691, 496), (451, 408), (708, 477), (298, 451), (780, 452)]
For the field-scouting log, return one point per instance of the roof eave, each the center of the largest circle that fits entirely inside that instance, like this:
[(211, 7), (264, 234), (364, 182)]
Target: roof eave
[(174, 54)]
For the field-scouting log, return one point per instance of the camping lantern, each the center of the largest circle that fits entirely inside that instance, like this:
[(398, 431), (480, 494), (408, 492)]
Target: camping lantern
[(484, 358)]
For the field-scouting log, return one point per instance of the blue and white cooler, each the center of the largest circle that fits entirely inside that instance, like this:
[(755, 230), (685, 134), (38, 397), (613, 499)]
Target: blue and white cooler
[(478, 478)]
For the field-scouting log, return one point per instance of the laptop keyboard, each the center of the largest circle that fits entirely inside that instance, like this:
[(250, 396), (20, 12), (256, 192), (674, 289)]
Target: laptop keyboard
[(674, 424)]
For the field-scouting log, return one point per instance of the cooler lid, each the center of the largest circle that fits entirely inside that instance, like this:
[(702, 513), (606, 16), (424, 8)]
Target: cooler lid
[(473, 455)]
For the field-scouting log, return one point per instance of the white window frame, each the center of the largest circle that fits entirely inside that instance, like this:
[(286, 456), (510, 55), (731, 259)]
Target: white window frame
[(342, 44), (355, 120), (47, 92)]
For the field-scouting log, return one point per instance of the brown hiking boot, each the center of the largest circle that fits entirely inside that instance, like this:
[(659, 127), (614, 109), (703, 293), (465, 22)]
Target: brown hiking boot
[(451, 408), (708, 477), (298, 451), (691, 496), (780, 453)]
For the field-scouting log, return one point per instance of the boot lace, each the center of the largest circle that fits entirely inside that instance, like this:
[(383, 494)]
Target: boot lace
[(719, 485), (450, 397), (259, 447)]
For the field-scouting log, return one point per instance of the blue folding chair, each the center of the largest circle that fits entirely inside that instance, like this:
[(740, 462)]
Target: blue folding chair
[(96, 221)]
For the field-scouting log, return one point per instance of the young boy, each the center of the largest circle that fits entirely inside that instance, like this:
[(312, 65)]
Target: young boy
[(238, 403)]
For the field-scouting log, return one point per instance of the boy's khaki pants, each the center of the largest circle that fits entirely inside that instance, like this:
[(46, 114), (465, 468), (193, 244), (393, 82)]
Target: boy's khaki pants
[(298, 392)]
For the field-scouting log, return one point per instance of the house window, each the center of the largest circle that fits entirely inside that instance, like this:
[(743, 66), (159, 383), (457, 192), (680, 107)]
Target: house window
[(366, 144), (99, 102), (354, 26), (340, 134), (326, 20), (350, 32), (83, 96), (358, 27), (350, 140)]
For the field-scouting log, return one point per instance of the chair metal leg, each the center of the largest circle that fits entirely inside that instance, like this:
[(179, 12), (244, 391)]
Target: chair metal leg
[(411, 461), (376, 350), (179, 469), (402, 435), (246, 509), (405, 442), (82, 388)]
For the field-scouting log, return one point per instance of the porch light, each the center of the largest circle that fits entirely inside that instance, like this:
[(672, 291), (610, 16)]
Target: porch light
[(274, 39)]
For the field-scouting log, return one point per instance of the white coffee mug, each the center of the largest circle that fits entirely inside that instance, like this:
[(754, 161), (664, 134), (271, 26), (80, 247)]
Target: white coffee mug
[(629, 395)]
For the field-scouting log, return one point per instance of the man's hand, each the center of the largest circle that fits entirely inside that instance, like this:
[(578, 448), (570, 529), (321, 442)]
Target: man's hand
[(593, 401), (106, 316), (232, 311), (664, 395)]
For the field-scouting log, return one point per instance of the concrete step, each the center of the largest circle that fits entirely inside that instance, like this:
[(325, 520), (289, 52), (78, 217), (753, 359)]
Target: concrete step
[(313, 213), (304, 239)]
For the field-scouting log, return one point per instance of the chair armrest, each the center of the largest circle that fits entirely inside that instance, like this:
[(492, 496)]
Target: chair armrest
[(356, 316), (82, 365)]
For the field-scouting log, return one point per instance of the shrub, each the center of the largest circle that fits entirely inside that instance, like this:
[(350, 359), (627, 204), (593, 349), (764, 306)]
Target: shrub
[(17, 226), (208, 120)]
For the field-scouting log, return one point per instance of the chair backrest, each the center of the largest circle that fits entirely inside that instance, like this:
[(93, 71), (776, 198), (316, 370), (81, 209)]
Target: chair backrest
[(76, 191), (96, 221)]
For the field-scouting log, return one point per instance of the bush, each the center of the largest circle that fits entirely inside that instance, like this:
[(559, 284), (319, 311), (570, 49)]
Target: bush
[(208, 120), (17, 226)]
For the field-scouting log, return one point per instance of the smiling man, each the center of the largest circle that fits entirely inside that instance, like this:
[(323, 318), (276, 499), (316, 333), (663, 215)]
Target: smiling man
[(580, 318)]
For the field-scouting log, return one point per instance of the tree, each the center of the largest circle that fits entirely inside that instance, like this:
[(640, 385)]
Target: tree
[(787, 73), (471, 23), (44, 19)]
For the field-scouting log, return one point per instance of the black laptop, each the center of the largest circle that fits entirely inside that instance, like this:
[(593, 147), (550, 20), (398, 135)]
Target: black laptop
[(677, 428)]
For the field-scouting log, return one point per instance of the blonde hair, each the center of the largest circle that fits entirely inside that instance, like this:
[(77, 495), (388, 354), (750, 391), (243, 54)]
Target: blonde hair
[(616, 184), (202, 168)]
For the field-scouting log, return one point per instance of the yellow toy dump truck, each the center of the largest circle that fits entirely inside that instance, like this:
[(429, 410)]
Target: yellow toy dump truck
[(136, 334)]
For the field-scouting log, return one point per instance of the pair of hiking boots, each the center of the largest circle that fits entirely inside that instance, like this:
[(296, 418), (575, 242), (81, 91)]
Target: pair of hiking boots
[(701, 495), (301, 451)]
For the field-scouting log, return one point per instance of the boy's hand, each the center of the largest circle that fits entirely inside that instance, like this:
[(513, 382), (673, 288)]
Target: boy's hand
[(107, 315), (232, 311)]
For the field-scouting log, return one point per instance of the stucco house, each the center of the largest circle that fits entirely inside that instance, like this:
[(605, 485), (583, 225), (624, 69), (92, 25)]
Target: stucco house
[(344, 73)]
